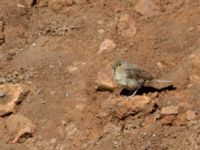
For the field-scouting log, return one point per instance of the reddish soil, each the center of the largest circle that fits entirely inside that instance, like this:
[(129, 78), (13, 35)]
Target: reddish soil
[(52, 46)]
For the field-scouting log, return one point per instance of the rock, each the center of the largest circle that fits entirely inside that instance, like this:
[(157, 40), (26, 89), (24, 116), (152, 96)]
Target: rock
[(194, 68), (80, 1), (2, 94), (15, 93), (170, 110), (2, 80), (20, 126), (131, 125), (107, 45), (146, 8), (180, 119), (68, 2), (168, 120), (80, 107), (126, 27), (111, 128), (53, 141), (105, 79), (122, 107), (54, 5), (190, 115), (71, 131)]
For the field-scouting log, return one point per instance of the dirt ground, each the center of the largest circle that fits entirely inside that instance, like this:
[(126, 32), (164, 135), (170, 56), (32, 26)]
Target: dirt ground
[(52, 46)]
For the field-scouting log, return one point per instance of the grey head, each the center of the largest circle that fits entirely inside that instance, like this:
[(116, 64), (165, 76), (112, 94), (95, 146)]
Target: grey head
[(119, 63)]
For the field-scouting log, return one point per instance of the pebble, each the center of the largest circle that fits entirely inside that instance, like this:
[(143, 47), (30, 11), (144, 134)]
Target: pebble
[(34, 44), (170, 110), (2, 94), (146, 8), (191, 29), (2, 80), (64, 123), (53, 141), (190, 115), (126, 27), (107, 45)]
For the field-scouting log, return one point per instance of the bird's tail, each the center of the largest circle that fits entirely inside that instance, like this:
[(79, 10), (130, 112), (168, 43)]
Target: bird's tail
[(160, 81)]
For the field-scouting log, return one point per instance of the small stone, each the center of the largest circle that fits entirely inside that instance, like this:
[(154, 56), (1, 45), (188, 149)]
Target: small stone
[(170, 110), (64, 123), (105, 79), (107, 45), (191, 29), (190, 115), (181, 119), (160, 65), (2, 80), (21, 126), (20, 5), (53, 141), (146, 8), (194, 68), (101, 31), (100, 22), (80, 107), (2, 94), (72, 68), (34, 44), (68, 2), (51, 67), (126, 27), (168, 120), (111, 128)]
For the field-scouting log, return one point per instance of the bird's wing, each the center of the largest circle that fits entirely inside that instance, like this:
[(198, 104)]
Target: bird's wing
[(137, 73)]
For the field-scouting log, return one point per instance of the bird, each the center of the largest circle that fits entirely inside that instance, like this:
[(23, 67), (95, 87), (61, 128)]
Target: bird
[(131, 77)]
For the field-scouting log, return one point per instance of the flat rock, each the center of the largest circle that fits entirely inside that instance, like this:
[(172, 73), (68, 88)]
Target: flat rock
[(126, 27), (170, 110), (107, 45), (194, 67), (15, 93), (168, 120), (122, 107), (190, 115), (146, 8), (2, 94), (105, 79), (19, 126)]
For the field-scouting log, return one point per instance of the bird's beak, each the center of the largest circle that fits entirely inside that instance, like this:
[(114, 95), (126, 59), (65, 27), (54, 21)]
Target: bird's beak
[(113, 66)]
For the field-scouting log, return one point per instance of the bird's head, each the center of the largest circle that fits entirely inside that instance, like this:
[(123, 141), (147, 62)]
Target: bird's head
[(118, 63)]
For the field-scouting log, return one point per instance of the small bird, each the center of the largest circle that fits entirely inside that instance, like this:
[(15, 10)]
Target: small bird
[(131, 77)]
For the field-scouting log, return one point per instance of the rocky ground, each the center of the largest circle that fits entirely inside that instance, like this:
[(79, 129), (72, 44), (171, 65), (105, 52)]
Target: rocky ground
[(55, 54)]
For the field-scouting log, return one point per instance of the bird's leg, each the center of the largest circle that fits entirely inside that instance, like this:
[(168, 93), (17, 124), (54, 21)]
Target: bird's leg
[(134, 92)]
